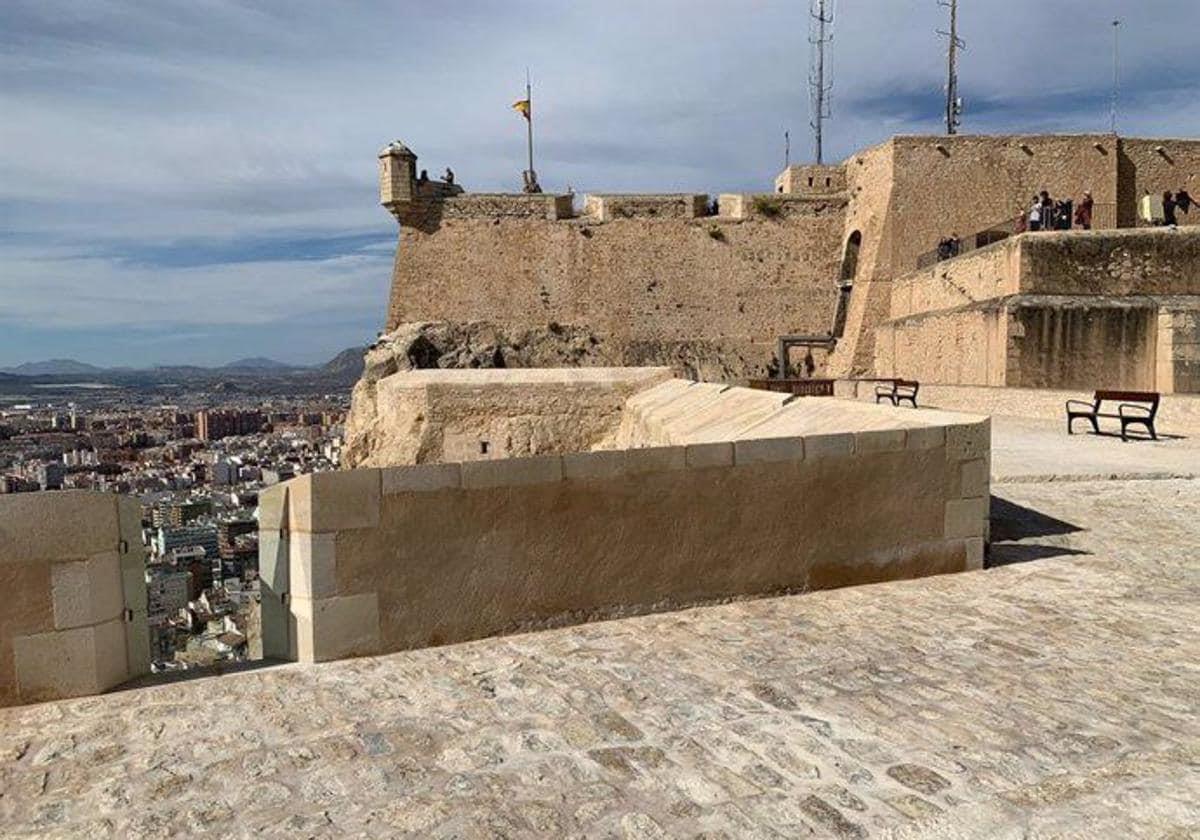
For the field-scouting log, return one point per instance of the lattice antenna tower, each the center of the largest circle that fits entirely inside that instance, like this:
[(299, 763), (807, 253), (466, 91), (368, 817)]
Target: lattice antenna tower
[(954, 103), (820, 78)]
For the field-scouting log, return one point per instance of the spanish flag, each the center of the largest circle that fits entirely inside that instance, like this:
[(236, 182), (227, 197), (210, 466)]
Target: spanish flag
[(523, 106)]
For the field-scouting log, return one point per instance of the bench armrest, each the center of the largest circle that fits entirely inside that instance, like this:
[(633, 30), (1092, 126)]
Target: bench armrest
[(1142, 412), (1089, 406), (883, 389)]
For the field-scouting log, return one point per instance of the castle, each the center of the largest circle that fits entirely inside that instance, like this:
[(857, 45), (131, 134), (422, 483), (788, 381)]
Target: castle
[(839, 257)]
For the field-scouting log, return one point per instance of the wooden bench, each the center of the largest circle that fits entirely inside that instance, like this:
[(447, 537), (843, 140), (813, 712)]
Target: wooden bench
[(897, 391), (1134, 408)]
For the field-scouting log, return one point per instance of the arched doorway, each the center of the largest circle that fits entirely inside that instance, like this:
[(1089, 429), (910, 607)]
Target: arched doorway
[(846, 283)]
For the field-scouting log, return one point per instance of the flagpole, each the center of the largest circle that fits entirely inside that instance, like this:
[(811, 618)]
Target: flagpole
[(529, 123)]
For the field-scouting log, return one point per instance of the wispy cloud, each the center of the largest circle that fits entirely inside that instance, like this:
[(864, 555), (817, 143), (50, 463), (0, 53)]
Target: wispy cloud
[(193, 178)]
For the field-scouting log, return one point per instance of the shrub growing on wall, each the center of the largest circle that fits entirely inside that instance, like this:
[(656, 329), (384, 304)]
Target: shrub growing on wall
[(767, 206)]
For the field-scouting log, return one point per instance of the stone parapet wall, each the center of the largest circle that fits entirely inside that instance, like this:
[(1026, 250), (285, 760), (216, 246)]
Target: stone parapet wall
[(507, 206), (604, 208), (774, 206), (373, 560), (74, 616), (1157, 261), (1109, 263), (991, 272), (1056, 310)]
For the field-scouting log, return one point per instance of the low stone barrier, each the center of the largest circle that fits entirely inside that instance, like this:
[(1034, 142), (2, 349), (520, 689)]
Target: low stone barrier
[(73, 575), (375, 560)]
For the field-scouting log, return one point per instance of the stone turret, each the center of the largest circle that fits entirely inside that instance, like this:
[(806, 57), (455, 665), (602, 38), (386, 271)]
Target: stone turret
[(397, 177), (413, 202)]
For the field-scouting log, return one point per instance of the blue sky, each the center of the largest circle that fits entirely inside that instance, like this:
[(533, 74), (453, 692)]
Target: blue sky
[(193, 181)]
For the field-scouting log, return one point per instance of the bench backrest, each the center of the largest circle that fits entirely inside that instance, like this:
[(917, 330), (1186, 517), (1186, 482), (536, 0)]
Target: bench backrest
[(1150, 398), (907, 383)]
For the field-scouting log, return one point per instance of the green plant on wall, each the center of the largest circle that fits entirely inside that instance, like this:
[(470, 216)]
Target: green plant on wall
[(765, 205)]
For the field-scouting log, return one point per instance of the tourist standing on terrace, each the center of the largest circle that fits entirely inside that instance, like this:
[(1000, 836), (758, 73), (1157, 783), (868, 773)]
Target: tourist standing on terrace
[(1169, 210), (1083, 213), (1184, 201), (1035, 214)]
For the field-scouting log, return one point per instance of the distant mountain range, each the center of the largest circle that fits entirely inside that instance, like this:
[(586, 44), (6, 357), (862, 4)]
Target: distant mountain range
[(343, 369), (53, 367)]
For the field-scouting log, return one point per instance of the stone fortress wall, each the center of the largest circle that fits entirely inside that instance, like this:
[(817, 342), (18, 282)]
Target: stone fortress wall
[(1077, 310), (74, 616), (698, 492), (660, 278)]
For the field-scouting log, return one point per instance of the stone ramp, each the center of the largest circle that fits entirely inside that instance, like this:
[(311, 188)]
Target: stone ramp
[(681, 412)]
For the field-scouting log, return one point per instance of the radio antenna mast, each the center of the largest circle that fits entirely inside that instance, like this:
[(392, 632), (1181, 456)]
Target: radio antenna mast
[(954, 106), (820, 80)]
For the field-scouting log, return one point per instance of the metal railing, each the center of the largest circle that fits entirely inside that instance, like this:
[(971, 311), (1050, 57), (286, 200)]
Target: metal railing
[(1104, 217), (796, 387)]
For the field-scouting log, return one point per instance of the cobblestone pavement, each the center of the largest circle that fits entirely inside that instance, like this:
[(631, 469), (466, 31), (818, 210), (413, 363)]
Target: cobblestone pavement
[(1053, 698)]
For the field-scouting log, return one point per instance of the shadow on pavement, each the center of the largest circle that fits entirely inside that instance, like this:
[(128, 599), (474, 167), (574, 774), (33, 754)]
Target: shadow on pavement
[(217, 669), (1013, 523)]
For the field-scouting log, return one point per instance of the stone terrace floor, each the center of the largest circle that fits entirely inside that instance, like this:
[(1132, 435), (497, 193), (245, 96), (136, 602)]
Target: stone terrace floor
[(1051, 698)]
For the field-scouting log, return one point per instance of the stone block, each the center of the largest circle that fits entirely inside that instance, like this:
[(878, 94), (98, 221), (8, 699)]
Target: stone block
[(334, 501), (966, 518), (70, 663), (974, 554), (828, 446), (477, 475), (34, 525), (878, 440), (421, 478), (277, 622), (272, 507), (313, 566), (965, 442), (655, 459), (133, 583), (602, 464), (974, 478), (768, 450), (87, 591), (112, 656), (337, 628), (137, 643), (129, 517), (926, 437), (704, 455)]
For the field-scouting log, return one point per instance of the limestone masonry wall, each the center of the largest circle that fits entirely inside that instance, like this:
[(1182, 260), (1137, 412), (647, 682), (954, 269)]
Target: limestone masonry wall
[(605, 208), (374, 560), (660, 278), (648, 285), (1051, 310), (430, 416), (74, 615)]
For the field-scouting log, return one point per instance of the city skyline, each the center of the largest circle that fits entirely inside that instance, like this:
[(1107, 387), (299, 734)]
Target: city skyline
[(189, 184)]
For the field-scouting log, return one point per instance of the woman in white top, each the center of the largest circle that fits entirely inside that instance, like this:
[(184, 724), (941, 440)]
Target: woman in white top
[(1035, 214)]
